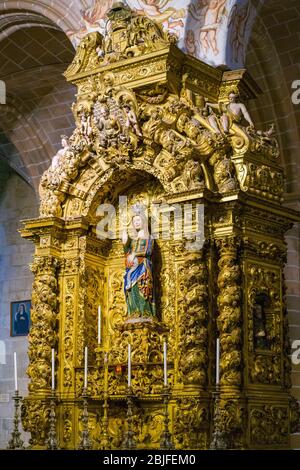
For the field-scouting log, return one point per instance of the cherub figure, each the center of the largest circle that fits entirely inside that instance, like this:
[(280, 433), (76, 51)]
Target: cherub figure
[(93, 15), (209, 13), (58, 157), (169, 17), (131, 122), (86, 129), (233, 112), (190, 43)]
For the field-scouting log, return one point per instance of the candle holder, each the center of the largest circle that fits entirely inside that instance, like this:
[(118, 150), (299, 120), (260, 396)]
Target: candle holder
[(218, 437), (16, 442), (166, 437), (85, 441), (52, 436), (129, 437), (105, 441)]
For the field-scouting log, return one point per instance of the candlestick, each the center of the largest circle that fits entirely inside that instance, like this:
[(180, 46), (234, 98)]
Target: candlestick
[(105, 441), (52, 371), (165, 365), (15, 371), (16, 442), (52, 436), (106, 372), (166, 441), (129, 365), (85, 366), (218, 361), (99, 324)]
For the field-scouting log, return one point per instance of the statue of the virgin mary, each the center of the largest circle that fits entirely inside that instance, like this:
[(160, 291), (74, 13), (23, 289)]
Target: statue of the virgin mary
[(138, 279)]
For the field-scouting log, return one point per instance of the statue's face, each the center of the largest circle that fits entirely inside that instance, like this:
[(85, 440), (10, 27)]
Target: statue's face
[(137, 222), (232, 97), (105, 112)]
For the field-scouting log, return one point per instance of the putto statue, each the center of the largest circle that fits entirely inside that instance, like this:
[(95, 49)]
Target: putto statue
[(232, 112), (138, 279)]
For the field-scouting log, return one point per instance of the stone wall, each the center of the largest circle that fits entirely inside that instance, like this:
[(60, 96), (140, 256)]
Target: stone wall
[(17, 202)]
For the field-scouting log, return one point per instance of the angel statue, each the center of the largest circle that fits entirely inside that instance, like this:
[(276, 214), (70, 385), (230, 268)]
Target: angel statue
[(138, 278)]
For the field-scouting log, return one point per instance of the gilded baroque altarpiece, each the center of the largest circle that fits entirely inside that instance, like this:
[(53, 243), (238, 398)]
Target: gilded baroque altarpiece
[(145, 129)]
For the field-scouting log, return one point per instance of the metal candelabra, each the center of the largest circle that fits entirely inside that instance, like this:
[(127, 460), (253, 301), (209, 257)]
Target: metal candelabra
[(218, 439), (85, 441), (166, 437), (16, 441), (129, 437), (105, 442), (52, 436)]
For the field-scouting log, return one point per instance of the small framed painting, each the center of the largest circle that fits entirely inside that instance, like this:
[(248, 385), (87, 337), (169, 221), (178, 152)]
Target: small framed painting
[(20, 318)]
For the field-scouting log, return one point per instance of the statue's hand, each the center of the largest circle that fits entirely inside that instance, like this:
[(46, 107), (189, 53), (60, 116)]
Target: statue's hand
[(131, 257)]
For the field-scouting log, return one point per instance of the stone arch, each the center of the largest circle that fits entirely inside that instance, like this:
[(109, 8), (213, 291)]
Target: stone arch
[(62, 13)]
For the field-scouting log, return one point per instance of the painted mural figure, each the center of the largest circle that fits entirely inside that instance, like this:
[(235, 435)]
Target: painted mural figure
[(238, 20), (191, 43), (138, 278), (209, 12), (169, 18)]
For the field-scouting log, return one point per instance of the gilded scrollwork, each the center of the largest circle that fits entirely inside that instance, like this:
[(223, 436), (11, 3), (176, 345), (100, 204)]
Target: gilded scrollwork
[(191, 424), (269, 425), (232, 422), (69, 298), (265, 291), (67, 424), (35, 419)]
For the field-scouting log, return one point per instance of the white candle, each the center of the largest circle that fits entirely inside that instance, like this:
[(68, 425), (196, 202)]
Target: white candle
[(99, 324), (218, 361), (165, 365), (85, 366), (52, 371), (129, 365), (15, 371)]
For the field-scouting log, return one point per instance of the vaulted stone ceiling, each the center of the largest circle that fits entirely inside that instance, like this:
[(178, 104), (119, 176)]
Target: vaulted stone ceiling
[(33, 57)]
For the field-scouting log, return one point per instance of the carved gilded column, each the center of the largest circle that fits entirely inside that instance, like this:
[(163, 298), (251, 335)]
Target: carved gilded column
[(193, 326), (42, 337), (230, 316), (43, 333), (229, 324)]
